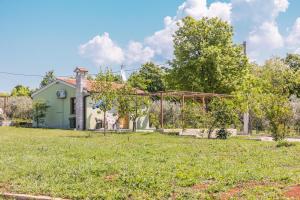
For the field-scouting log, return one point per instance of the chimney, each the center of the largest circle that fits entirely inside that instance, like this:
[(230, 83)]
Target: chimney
[(81, 74)]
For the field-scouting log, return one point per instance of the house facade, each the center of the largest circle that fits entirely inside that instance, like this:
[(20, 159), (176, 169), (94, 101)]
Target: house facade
[(71, 106)]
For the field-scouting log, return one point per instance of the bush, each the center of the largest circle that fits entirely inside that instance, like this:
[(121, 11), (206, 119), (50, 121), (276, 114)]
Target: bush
[(284, 143), (223, 134)]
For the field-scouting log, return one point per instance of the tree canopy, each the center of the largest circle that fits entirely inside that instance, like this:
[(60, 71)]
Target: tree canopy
[(206, 59), (48, 78), (293, 61), (265, 92), (104, 94), (150, 77), (20, 90)]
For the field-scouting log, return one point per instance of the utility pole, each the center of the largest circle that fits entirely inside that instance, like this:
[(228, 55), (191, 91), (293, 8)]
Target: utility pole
[(246, 117)]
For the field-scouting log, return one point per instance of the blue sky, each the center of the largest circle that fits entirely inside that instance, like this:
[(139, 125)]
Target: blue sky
[(38, 36)]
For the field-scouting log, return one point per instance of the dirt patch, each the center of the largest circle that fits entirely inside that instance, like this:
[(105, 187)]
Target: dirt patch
[(111, 177), (4, 187), (173, 196), (233, 192), (293, 192), (200, 187)]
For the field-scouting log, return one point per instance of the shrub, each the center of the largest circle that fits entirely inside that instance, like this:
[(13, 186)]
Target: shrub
[(284, 143), (223, 134)]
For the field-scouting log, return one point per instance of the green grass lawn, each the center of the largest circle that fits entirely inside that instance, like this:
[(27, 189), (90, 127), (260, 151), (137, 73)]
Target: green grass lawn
[(72, 165)]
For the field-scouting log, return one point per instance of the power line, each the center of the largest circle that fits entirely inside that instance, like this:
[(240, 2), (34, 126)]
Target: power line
[(17, 74), (38, 75)]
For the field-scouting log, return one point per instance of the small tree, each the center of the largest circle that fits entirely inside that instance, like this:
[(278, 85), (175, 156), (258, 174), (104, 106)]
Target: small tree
[(278, 111), (266, 91), (39, 111), (222, 113), (129, 103), (104, 93)]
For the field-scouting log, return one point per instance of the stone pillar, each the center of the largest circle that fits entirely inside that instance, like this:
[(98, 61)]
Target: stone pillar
[(246, 123), (80, 85)]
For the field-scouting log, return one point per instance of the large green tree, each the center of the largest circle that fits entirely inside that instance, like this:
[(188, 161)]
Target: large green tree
[(206, 59), (150, 77)]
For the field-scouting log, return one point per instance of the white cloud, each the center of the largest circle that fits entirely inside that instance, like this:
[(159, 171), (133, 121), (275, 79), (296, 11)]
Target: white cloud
[(199, 9), (102, 50), (293, 39), (264, 40), (255, 18), (162, 41), (137, 53), (257, 11)]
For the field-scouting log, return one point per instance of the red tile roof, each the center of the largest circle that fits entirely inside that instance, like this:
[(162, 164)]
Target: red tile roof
[(88, 84)]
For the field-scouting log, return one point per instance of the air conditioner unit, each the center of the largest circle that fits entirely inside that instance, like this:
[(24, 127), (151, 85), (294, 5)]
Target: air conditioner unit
[(61, 94)]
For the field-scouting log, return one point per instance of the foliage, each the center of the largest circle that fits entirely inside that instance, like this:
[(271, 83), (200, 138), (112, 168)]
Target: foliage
[(295, 105), (223, 134), (249, 92), (265, 92), (147, 166), (150, 77), (20, 90), (278, 112), (39, 112), (222, 113), (104, 92), (293, 61), (171, 114), (278, 79), (284, 143), (194, 115), (206, 59), (48, 78), (19, 107), (129, 104)]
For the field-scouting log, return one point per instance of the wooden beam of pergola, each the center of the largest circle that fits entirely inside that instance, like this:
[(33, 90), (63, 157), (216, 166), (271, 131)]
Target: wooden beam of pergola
[(183, 93)]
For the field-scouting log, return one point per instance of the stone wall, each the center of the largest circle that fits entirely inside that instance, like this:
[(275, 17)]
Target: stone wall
[(199, 133)]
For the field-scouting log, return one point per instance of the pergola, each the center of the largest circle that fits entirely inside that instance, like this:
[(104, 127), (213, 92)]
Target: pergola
[(183, 95)]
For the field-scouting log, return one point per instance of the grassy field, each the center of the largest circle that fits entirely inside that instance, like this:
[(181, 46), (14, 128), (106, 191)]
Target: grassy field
[(82, 165)]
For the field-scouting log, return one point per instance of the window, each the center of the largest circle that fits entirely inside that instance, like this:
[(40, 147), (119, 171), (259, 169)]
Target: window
[(73, 105)]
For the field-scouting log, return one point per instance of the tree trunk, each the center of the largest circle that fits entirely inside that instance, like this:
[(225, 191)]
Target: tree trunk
[(210, 130), (37, 119), (104, 123), (134, 125)]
